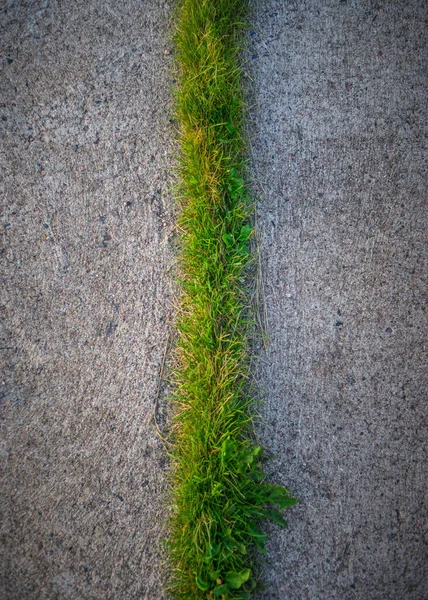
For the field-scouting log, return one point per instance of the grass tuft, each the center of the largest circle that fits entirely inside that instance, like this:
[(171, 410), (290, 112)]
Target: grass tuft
[(219, 490)]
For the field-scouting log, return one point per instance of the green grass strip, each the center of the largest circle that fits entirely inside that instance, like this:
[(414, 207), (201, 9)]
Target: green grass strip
[(219, 490)]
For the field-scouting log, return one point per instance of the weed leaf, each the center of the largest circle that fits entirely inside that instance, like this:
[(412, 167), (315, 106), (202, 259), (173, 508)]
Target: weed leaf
[(235, 580), (276, 516), (202, 585), (221, 590), (246, 232), (228, 239)]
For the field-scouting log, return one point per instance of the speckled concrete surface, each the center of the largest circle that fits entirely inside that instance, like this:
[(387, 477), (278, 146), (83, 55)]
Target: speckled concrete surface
[(339, 151), (339, 158), (87, 224)]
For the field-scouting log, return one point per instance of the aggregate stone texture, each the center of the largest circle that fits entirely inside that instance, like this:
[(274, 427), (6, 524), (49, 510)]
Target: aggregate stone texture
[(339, 139), (88, 253)]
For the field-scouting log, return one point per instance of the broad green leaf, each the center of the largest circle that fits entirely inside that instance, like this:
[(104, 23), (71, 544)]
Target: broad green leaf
[(212, 551), (242, 549), (221, 589), (287, 501), (202, 585), (230, 128), (276, 516), (257, 474), (235, 546), (260, 543), (234, 579), (228, 448), (249, 455), (277, 491), (246, 232), (228, 239), (251, 584), (258, 536), (244, 249), (281, 496)]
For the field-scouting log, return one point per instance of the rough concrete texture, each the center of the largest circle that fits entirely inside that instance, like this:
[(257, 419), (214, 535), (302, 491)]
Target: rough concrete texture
[(339, 153), (87, 224), (338, 156)]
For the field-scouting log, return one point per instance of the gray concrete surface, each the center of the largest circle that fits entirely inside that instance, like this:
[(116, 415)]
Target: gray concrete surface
[(87, 223), (339, 155), (339, 135)]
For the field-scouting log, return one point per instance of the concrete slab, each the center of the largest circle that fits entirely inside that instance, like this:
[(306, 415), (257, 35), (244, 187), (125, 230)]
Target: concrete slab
[(339, 155), (87, 223)]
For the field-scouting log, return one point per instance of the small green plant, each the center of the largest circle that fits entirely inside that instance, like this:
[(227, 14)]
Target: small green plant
[(220, 494)]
